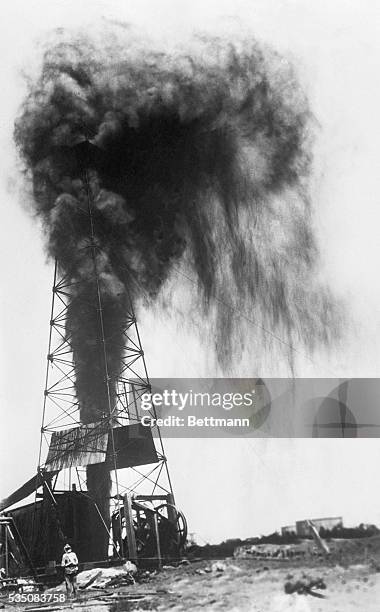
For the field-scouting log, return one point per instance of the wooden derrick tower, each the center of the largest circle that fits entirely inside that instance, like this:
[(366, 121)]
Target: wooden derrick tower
[(102, 481)]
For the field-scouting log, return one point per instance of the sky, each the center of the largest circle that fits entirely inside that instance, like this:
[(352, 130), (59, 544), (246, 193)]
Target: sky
[(227, 488)]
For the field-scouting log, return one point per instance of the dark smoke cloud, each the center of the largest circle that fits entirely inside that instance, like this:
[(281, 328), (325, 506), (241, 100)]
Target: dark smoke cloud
[(201, 157)]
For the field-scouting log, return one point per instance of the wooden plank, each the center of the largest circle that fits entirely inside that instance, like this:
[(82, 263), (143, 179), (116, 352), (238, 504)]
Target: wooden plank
[(27, 488), (91, 580), (131, 539), (6, 552), (157, 538), (162, 497), (172, 512)]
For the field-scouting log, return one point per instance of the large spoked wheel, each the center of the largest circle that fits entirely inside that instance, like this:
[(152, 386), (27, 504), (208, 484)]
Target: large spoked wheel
[(173, 521), (172, 531)]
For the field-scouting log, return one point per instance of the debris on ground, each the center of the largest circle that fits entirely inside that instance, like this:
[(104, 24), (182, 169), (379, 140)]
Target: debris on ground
[(102, 578), (218, 566), (91, 580), (240, 584), (306, 585)]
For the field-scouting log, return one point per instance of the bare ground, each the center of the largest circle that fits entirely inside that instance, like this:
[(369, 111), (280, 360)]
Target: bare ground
[(240, 585)]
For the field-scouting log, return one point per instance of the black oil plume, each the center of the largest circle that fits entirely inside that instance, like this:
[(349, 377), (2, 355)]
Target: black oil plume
[(200, 157)]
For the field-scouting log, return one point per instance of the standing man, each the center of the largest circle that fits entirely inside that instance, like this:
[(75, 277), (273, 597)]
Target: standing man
[(70, 568)]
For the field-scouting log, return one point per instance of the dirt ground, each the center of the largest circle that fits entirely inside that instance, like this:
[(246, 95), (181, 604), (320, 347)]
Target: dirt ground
[(246, 587), (238, 587), (351, 578)]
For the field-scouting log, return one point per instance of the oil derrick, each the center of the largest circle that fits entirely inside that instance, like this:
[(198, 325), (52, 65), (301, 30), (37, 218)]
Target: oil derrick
[(103, 477)]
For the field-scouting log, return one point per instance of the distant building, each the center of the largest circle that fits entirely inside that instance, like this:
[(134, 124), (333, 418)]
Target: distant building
[(302, 527), (288, 529)]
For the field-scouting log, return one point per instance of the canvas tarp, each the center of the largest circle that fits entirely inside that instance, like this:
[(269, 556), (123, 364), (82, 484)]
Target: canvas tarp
[(78, 446), (128, 446)]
